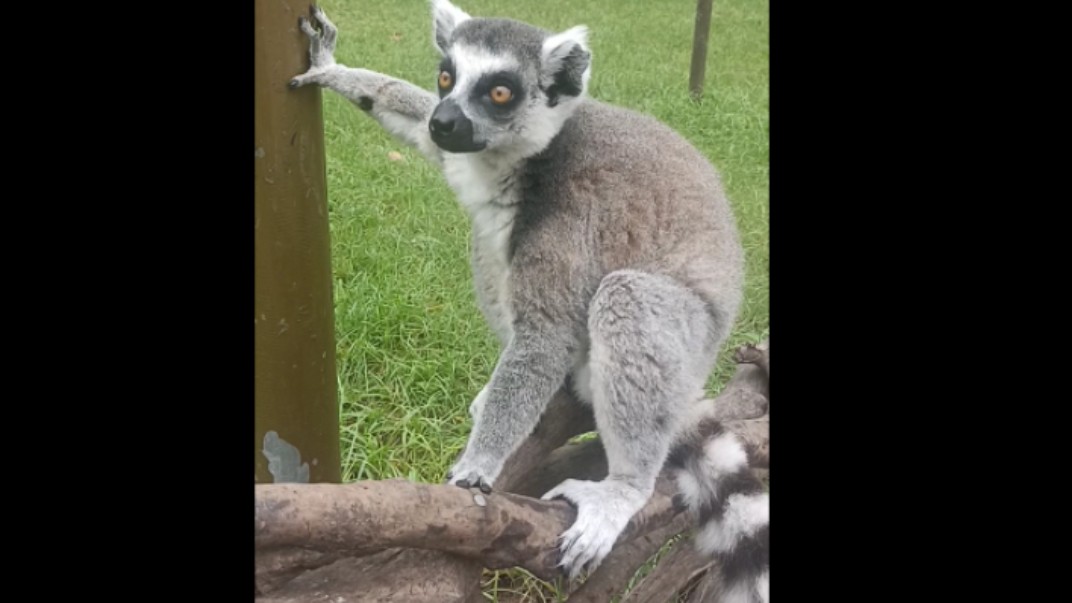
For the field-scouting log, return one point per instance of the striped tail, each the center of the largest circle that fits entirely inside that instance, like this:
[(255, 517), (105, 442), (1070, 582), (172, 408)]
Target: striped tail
[(711, 469)]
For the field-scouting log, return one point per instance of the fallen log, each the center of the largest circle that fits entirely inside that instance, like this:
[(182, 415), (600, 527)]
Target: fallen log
[(395, 540), (500, 529)]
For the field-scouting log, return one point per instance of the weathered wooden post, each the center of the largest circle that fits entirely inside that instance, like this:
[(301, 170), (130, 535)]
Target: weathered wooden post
[(699, 47), (297, 416)]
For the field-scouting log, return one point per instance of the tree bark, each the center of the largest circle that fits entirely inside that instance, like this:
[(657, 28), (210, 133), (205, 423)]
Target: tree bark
[(682, 565), (500, 529), (396, 540)]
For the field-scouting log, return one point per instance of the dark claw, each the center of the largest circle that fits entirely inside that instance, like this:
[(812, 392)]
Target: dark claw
[(301, 21), (477, 483), (679, 502), (292, 84), (558, 564)]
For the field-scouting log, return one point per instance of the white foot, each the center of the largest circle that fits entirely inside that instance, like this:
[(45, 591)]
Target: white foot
[(603, 510)]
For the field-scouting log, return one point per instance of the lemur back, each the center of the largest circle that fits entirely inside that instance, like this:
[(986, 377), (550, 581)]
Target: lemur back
[(657, 208), (605, 255), (622, 190)]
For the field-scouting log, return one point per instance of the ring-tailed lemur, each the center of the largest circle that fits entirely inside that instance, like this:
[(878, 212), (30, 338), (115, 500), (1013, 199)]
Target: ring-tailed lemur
[(604, 250)]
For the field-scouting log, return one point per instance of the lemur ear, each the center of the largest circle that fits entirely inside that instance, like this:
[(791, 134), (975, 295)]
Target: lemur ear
[(566, 64), (445, 17)]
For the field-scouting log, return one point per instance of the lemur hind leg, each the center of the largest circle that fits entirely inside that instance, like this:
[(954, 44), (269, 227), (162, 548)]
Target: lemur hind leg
[(653, 344)]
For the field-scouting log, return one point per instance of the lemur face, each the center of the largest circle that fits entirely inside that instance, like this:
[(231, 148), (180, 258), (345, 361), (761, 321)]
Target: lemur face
[(503, 84), (482, 94)]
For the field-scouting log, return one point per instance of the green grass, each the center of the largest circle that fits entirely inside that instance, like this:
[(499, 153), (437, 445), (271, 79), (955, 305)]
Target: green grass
[(413, 349)]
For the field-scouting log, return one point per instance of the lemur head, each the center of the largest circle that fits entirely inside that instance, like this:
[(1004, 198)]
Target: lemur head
[(504, 86)]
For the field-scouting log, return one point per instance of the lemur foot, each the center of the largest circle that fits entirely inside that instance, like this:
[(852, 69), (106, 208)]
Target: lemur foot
[(603, 511)]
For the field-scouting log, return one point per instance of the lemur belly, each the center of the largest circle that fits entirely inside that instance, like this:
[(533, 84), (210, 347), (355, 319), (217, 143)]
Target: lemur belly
[(490, 197)]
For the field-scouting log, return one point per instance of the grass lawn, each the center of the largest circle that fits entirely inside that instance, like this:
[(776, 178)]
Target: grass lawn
[(413, 349)]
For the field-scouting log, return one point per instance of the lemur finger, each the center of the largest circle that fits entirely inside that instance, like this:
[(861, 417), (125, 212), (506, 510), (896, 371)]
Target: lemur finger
[(330, 31), (569, 563), (307, 27), (301, 80)]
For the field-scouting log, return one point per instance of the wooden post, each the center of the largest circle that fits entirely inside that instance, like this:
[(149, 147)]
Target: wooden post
[(699, 47), (297, 416)]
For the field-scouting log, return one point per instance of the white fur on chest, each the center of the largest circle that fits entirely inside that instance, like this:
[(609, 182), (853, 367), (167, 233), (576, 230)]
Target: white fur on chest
[(489, 195)]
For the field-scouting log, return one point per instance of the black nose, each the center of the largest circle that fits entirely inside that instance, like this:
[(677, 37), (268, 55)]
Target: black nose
[(445, 118), (441, 124), (451, 130)]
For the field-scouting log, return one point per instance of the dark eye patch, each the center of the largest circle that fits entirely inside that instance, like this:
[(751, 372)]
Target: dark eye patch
[(482, 90), (446, 65)]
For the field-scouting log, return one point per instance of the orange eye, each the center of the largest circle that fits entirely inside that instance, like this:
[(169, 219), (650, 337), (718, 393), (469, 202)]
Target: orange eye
[(500, 95), (445, 80)]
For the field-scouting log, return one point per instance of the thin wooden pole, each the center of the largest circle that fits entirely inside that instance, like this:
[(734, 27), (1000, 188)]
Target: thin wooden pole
[(297, 415), (699, 47)]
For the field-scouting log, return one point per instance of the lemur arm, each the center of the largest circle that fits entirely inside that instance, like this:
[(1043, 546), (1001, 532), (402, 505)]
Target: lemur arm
[(400, 107), (547, 289), (530, 369)]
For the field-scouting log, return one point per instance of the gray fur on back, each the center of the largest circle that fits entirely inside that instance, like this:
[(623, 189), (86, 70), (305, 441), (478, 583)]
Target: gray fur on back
[(617, 189)]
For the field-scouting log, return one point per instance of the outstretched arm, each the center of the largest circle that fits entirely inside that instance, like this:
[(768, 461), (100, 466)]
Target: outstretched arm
[(400, 107)]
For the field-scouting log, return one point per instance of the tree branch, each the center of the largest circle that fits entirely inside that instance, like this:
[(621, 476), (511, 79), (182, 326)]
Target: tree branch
[(319, 541), (501, 530), (391, 576), (680, 566)]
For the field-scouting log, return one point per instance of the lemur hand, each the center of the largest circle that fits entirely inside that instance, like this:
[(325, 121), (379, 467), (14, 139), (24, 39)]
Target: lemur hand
[(321, 45), (469, 474)]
